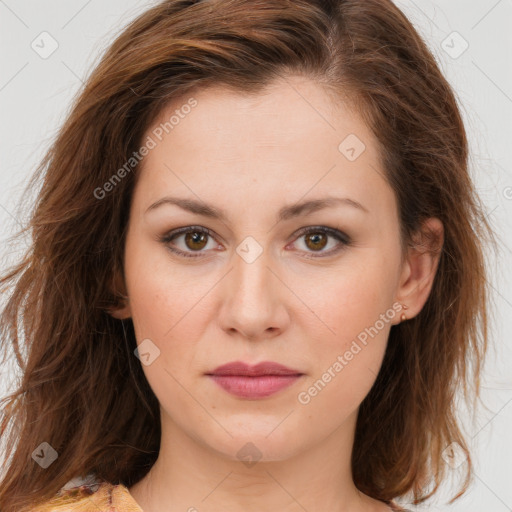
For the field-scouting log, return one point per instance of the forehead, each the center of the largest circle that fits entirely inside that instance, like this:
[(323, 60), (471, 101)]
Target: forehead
[(293, 113), (291, 139)]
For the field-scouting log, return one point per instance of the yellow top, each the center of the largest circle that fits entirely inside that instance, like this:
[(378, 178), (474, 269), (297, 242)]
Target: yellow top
[(106, 497), (102, 497)]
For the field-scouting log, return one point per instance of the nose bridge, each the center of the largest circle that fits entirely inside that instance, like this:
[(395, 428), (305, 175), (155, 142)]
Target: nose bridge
[(251, 302), (252, 277)]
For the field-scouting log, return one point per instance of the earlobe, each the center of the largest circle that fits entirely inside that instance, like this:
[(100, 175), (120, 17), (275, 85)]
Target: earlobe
[(120, 313), (118, 289), (420, 266)]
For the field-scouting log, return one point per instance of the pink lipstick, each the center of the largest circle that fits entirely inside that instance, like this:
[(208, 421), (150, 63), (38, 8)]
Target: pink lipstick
[(253, 382)]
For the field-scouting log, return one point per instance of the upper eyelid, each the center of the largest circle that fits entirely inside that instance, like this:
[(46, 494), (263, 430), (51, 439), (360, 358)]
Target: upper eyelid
[(340, 235), (301, 231)]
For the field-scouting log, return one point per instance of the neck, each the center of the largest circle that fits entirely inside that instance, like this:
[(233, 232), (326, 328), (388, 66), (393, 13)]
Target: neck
[(189, 475)]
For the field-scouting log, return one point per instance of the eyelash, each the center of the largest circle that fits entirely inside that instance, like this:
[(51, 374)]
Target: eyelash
[(334, 233)]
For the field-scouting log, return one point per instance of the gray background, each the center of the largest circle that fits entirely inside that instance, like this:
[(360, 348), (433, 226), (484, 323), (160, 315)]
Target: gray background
[(35, 94)]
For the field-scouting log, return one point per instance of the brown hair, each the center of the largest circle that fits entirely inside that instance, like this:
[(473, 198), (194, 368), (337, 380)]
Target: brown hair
[(82, 390)]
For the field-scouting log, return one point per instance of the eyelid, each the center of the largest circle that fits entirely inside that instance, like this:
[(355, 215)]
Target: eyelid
[(334, 232), (343, 239), (339, 235), (174, 233)]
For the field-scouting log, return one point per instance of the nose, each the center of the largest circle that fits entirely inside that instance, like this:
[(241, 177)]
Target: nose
[(253, 300)]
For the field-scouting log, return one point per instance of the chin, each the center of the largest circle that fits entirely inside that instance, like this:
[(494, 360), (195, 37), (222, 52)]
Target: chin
[(258, 443)]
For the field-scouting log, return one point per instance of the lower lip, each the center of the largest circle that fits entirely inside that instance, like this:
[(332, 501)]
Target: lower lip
[(254, 387)]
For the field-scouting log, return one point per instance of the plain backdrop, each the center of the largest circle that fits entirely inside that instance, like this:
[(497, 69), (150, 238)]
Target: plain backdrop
[(48, 48)]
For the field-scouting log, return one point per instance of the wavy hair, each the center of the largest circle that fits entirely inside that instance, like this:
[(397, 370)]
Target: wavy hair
[(81, 389)]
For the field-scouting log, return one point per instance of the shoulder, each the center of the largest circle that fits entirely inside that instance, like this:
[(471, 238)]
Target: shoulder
[(99, 496)]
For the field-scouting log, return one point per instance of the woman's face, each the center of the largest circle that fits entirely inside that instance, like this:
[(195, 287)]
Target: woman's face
[(256, 287)]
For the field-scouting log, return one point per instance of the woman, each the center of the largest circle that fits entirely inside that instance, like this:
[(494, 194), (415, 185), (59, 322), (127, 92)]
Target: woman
[(256, 275)]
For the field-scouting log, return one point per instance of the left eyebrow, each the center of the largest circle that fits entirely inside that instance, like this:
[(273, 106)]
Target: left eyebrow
[(294, 210), (285, 213)]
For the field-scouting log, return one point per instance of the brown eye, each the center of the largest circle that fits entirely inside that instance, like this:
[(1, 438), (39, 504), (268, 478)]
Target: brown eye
[(316, 241), (316, 238), (189, 241), (196, 240)]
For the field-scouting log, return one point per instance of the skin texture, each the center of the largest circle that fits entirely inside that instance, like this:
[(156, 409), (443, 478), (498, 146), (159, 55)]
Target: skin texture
[(250, 156)]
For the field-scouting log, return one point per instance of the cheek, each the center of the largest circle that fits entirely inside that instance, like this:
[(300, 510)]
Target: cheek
[(349, 298), (160, 292), (340, 386), (163, 305), (171, 306), (346, 362), (354, 307)]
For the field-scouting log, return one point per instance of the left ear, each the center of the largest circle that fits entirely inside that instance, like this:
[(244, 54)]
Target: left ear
[(420, 266)]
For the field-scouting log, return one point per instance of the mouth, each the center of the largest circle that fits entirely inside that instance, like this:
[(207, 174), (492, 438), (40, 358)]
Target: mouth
[(254, 382)]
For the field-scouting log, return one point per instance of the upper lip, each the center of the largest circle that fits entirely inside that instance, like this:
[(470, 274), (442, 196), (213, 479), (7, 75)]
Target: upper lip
[(244, 369)]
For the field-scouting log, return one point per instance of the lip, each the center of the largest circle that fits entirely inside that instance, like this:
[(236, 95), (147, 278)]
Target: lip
[(256, 381)]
